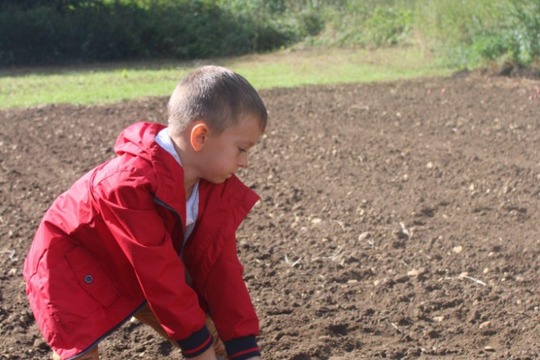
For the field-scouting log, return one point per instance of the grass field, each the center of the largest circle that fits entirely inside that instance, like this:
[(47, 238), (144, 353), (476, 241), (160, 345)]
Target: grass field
[(287, 68)]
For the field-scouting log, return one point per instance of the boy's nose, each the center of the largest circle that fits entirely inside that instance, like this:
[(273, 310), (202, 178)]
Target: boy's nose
[(243, 161)]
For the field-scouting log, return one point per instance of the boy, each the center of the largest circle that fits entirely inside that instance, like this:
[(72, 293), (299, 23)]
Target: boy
[(151, 233)]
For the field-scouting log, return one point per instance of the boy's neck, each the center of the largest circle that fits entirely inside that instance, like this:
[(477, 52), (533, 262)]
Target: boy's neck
[(182, 150)]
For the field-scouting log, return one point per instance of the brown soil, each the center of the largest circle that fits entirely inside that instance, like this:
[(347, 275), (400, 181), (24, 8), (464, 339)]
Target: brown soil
[(398, 220)]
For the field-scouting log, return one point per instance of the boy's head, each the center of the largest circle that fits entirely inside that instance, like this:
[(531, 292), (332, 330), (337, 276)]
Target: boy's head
[(217, 96)]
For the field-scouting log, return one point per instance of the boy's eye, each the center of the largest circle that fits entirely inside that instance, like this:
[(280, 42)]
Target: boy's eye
[(242, 149)]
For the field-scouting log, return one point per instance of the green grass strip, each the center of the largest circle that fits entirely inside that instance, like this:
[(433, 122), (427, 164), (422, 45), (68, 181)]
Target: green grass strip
[(288, 68)]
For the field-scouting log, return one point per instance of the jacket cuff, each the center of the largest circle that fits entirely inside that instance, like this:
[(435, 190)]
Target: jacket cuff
[(196, 344), (242, 348)]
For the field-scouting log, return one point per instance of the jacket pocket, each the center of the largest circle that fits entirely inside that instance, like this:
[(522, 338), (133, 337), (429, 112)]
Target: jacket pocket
[(67, 288), (90, 277)]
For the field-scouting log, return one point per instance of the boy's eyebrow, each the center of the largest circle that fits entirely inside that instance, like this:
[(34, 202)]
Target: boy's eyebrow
[(248, 143)]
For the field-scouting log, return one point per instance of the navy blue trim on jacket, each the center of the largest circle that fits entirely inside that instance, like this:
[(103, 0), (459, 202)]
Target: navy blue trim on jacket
[(197, 343), (242, 348)]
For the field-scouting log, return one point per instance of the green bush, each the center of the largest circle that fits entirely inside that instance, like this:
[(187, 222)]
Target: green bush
[(526, 15), (93, 32), (388, 26), (366, 23), (470, 33), (63, 31), (465, 33)]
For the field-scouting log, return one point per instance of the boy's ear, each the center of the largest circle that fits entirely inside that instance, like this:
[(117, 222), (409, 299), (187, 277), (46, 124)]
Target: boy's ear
[(199, 132)]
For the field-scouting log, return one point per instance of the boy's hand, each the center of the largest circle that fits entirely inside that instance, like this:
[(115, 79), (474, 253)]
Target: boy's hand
[(207, 355)]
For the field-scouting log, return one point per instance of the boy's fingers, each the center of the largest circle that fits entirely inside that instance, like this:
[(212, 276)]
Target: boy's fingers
[(219, 347)]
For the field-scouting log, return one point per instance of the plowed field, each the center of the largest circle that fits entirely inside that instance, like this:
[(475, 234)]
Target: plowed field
[(398, 220)]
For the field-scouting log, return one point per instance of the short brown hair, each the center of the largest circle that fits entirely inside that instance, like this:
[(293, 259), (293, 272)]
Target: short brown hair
[(216, 95)]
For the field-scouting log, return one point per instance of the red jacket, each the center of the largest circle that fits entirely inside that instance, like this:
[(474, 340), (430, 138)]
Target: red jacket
[(115, 240)]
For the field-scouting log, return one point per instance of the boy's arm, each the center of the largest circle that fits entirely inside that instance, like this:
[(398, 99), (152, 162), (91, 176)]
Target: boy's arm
[(218, 274), (231, 307), (140, 232)]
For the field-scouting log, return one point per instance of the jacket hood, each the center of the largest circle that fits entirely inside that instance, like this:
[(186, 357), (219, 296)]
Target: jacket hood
[(138, 139)]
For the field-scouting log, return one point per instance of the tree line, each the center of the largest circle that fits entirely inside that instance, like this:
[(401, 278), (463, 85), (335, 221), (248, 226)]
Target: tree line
[(464, 33)]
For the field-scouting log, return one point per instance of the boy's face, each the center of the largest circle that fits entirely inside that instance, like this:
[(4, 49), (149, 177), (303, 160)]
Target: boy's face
[(223, 154)]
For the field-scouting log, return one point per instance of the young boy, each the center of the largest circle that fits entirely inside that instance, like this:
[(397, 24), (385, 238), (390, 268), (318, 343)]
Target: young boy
[(151, 233)]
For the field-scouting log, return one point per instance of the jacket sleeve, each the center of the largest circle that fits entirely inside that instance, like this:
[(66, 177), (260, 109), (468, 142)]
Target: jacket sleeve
[(230, 305), (128, 208)]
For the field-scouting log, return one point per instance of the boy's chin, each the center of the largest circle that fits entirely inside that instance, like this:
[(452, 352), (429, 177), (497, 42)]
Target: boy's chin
[(219, 181)]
